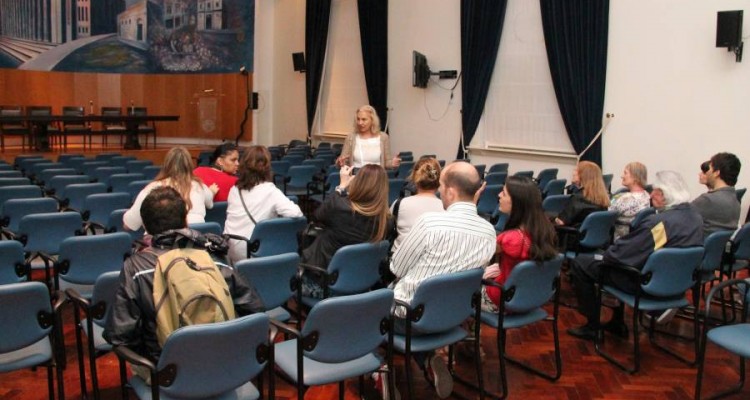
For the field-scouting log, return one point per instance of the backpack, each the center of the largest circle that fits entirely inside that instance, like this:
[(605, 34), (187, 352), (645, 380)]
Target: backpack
[(189, 290)]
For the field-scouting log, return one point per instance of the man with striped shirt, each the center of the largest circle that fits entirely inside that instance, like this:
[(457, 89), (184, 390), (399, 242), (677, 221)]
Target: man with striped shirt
[(442, 243)]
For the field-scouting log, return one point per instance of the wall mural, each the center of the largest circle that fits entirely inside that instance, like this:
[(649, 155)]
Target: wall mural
[(127, 36)]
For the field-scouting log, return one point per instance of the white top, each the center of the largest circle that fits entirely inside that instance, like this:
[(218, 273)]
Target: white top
[(441, 243), (264, 201), (366, 151), (200, 195), (410, 209)]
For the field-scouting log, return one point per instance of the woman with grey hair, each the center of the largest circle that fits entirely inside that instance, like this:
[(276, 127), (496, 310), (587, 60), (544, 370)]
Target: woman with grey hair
[(669, 190), (629, 203)]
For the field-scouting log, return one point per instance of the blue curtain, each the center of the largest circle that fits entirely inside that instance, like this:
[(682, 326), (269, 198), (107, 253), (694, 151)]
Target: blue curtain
[(373, 32), (316, 36), (575, 32), (481, 28)]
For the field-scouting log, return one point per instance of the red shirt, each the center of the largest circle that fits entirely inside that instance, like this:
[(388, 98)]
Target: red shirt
[(225, 181), (514, 246)]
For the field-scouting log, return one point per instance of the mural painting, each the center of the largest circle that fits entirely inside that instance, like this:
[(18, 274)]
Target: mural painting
[(127, 36)]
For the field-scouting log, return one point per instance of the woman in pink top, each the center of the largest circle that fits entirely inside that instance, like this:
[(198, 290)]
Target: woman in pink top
[(528, 235)]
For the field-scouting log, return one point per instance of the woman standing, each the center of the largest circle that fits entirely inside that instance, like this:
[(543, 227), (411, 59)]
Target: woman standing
[(357, 212), (628, 204), (367, 144), (528, 235), (177, 172), (254, 198), (223, 170)]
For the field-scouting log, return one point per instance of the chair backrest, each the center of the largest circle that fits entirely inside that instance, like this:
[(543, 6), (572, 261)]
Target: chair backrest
[(714, 246), (73, 110), (106, 156), (64, 158), (44, 232), (488, 200), (14, 181), (140, 111), (271, 276), (102, 174), (280, 167), (555, 187), (120, 182), (608, 181), (113, 111), (105, 293), (533, 284), (114, 224), (293, 159), (135, 187), (207, 227), (545, 176), (447, 300), (211, 359), (76, 194), (136, 166), (301, 175), (88, 167), (404, 169), (356, 267), (740, 193), (26, 307), (83, 259), (527, 174), (15, 209), (499, 167), (12, 265), (480, 169), (217, 213), (597, 229), (319, 163), (502, 219), (10, 173), (121, 161), (672, 271), (741, 243), (277, 235), (151, 171), (348, 327), (640, 216), (19, 192), (36, 168), (99, 206), (496, 178), (44, 176), (39, 110), (395, 186), (57, 184), (76, 163)]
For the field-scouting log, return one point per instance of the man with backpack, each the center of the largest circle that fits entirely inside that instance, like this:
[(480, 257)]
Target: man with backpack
[(176, 255)]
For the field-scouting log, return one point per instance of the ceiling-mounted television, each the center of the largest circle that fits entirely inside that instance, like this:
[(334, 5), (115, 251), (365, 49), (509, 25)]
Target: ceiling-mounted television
[(420, 70)]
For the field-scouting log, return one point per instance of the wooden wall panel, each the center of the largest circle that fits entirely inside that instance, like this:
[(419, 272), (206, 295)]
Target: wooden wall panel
[(163, 94)]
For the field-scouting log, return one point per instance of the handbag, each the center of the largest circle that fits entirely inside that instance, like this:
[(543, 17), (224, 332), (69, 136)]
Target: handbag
[(308, 235)]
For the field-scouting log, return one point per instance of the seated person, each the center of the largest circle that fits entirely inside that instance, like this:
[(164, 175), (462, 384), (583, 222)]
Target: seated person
[(591, 197), (132, 320), (222, 170), (631, 202), (719, 207), (528, 235), (675, 225)]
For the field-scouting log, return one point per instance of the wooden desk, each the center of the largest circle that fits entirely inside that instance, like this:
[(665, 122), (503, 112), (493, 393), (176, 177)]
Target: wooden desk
[(41, 122)]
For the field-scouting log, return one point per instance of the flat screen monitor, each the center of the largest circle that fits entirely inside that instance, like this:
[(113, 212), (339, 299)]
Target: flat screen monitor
[(420, 70)]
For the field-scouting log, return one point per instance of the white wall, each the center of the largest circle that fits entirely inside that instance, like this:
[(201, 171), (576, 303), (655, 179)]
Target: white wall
[(676, 98)]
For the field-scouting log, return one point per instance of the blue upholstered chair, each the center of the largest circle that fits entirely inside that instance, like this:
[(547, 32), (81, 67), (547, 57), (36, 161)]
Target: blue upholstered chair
[(218, 214), (274, 277), (273, 236), (13, 267)]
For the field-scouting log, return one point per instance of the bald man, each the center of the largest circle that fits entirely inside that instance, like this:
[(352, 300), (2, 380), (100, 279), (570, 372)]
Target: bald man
[(442, 243)]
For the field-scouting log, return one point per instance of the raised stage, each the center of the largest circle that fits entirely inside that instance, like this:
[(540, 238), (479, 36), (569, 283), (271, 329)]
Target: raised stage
[(155, 155)]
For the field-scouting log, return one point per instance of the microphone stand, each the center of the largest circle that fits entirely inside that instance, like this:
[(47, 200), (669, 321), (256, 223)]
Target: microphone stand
[(244, 73)]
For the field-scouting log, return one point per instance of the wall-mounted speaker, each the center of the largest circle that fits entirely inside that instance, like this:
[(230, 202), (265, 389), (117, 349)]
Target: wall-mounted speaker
[(254, 101), (298, 59), (729, 29)]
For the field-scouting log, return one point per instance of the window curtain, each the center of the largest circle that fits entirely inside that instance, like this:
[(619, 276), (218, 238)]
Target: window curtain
[(317, 13), (575, 33), (373, 32), (481, 28)]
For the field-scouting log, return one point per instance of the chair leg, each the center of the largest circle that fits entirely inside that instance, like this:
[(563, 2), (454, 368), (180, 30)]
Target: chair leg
[(79, 351), (599, 342), (50, 383), (342, 390), (92, 361)]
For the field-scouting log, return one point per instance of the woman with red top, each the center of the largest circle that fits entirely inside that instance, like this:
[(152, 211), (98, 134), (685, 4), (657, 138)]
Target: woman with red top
[(223, 170), (528, 235)]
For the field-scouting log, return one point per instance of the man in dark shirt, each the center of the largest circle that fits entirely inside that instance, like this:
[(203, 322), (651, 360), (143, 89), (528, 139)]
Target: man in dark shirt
[(719, 206), (675, 225)]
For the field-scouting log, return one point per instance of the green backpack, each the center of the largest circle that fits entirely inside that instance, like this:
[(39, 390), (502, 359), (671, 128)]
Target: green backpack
[(189, 290)]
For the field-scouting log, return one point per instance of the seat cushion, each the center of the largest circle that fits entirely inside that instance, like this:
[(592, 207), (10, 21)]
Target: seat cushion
[(429, 342), (99, 343), (734, 338), (26, 357), (320, 373), (647, 303), (247, 391), (514, 320)]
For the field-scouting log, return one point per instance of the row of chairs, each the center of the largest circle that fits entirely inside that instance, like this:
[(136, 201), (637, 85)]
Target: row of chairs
[(60, 132)]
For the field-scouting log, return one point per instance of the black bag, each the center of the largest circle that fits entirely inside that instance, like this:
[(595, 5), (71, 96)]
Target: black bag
[(308, 235)]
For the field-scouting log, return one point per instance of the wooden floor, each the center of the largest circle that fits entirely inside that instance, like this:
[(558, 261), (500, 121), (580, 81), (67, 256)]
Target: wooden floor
[(585, 374)]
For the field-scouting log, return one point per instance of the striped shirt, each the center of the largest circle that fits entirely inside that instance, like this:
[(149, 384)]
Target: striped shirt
[(441, 243)]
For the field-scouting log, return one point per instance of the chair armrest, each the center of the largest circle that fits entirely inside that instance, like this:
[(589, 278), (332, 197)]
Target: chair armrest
[(288, 330), (76, 297), (58, 299), (567, 229), (125, 353)]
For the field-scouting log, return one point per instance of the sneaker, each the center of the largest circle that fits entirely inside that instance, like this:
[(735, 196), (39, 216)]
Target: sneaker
[(441, 377), (666, 316), (381, 385)]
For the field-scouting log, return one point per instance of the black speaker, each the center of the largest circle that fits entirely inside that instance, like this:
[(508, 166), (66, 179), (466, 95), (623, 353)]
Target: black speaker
[(299, 62), (254, 101), (729, 29)]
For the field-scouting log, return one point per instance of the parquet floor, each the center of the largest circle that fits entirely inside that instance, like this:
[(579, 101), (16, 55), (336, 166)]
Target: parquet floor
[(585, 374)]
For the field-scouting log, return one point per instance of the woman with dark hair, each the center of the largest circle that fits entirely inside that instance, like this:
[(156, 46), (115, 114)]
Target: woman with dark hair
[(177, 173), (356, 213), (254, 198), (426, 178), (591, 197), (528, 235), (223, 170)]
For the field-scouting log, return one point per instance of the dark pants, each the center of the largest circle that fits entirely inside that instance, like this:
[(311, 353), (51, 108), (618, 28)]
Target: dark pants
[(586, 272)]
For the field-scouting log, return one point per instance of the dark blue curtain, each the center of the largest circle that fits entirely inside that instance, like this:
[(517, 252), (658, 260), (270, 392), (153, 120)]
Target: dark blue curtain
[(481, 28), (575, 32), (373, 32), (316, 36)]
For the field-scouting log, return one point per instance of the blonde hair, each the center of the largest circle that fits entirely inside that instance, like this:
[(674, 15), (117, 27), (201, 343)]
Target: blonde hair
[(592, 183), (426, 174), (375, 127), (177, 172), (638, 172), (368, 194)]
